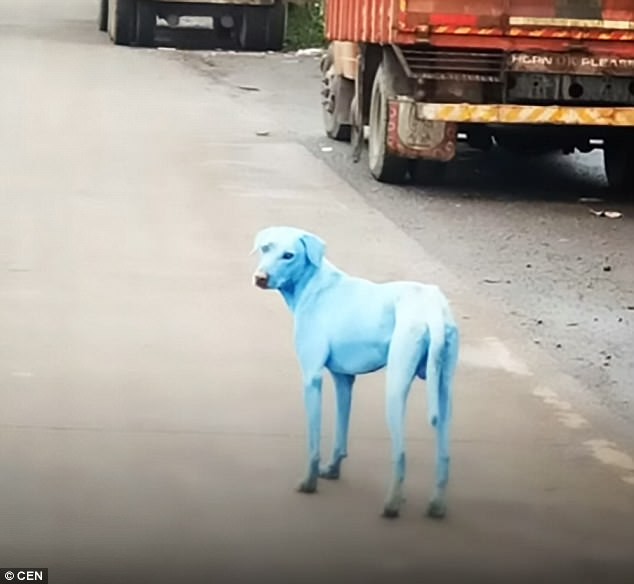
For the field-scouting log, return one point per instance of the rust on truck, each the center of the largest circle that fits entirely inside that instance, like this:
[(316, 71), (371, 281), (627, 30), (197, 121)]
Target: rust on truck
[(412, 136)]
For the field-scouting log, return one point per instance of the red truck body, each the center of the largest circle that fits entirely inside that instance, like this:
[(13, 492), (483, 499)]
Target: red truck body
[(527, 75), (604, 26)]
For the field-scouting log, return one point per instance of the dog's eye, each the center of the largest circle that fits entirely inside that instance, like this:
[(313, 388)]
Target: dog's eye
[(287, 255)]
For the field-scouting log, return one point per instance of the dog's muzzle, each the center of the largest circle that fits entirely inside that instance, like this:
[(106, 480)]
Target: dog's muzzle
[(261, 280)]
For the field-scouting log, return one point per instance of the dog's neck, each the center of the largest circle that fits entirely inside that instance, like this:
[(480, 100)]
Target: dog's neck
[(310, 282)]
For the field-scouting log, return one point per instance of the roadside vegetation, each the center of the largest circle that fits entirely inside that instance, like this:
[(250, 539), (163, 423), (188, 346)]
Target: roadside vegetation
[(305, 25)]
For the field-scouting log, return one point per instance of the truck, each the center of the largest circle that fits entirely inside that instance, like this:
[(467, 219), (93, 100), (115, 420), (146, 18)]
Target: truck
[(529, 76), (255, 25)]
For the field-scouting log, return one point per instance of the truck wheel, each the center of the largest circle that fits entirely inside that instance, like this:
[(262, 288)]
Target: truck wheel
[(336, 108), (384, 167), (276, 20), (337, 93), (356, 127), (618, 162), (122, 21), (253, 29), (103, 15), (145, 23)]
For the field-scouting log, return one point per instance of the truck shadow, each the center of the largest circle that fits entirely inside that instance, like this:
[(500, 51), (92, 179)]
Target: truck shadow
[(499, 175), (192, 39)]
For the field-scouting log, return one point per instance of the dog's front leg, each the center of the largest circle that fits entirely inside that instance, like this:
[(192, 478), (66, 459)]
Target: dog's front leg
[(312, 401), (312, 351), (343, 392)]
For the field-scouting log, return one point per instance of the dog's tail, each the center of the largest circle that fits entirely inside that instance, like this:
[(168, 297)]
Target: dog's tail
[(448, 362), (442, 358)]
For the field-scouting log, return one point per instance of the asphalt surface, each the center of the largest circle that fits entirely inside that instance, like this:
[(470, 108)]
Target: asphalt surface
[(151, 427)]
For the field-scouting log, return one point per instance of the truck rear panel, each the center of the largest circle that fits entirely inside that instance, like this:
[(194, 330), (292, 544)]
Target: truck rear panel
[(527, 75), (601, 26)]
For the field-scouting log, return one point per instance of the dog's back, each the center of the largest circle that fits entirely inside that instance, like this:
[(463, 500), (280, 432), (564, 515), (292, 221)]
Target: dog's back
[(358, 317)]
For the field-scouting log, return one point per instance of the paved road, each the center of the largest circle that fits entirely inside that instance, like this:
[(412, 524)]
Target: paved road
[(152, 424)]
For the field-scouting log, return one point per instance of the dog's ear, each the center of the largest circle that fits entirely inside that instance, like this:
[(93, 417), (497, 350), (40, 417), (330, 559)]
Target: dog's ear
[(315, 248), (260, 240)]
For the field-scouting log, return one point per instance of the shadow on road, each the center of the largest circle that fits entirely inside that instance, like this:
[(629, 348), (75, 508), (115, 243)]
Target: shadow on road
[(192, 39), (499, 175)]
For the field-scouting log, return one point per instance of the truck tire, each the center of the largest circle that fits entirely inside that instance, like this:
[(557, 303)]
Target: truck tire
[(103, 15), (337, 109), (253, 35), (122, 27), (618, 162), (337, 95), (145, 23), (356, 127), (384, 167), (277, 16)]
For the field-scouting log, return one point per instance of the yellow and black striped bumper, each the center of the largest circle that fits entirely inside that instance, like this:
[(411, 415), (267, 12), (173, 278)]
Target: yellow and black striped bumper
[(525, 114)]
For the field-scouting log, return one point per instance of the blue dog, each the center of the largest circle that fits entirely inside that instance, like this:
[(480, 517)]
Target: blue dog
[(352, 326)]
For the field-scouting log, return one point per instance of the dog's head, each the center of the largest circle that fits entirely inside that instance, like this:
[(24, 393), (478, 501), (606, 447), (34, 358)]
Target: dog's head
[(285, 255)]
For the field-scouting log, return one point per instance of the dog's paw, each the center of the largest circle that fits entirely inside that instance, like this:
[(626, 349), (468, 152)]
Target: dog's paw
[(437, 509), (390, 512), (307, 486), (392, 506), (329, 473)]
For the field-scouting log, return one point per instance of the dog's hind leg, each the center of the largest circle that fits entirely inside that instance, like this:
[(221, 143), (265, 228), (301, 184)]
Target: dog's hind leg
[(406, 349), (343, 393), (446, 365)]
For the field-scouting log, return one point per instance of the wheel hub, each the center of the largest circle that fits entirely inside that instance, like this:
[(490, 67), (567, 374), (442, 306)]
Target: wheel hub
[(173, 20), (327, 91)]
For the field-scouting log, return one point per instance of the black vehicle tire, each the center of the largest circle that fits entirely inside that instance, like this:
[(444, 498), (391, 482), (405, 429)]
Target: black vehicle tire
[(123, 27), (384, 167), (145, 23), (103, 15), (337, 96), (277, 18), (337, 128), (356, 127), (618, 162), (253, 35)]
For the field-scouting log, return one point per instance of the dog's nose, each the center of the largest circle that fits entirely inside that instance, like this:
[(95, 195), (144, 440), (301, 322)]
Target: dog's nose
[(261, 280)]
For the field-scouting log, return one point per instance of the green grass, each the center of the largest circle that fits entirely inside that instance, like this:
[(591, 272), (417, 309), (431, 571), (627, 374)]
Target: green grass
[(305, 26)]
